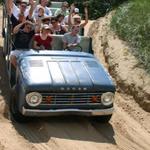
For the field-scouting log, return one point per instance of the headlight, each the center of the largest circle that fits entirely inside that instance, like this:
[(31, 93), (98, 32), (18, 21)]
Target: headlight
[(107, 98), (33, 99)]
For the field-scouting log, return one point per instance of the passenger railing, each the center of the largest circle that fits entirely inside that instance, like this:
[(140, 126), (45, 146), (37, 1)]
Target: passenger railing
[(6, 32)]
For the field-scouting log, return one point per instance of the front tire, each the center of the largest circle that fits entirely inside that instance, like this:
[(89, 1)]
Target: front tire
[(102, 119), (14, 110)]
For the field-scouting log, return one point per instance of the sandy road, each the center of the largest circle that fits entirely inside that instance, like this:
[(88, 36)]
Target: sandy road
[(77, 133), (129, 128)]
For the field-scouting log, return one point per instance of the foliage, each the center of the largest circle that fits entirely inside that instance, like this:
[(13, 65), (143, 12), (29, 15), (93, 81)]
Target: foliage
[(97, 8), (132, 23)]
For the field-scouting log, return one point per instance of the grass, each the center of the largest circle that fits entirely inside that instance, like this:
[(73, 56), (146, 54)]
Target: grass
[(132, 23)]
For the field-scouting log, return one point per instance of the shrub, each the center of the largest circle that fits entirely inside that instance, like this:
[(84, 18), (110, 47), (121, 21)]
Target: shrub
[(132, 23), (97, 8)]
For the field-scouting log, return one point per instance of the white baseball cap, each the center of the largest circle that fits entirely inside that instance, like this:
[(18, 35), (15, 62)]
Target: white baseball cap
[(45, 26), (76, 10)]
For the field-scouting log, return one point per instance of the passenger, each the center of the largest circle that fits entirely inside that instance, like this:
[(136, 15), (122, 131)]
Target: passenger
[(57, 28), (75, 12), (60, 18), (17, 2), (21, 13), (43, 40), (44, 4), (71, 40), (76, 19), (40, 16), (46, 20), (23, 35), (63, 10)]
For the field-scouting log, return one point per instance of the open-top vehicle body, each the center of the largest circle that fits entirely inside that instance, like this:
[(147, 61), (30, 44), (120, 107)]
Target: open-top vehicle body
[(50, 83), (58, 82)]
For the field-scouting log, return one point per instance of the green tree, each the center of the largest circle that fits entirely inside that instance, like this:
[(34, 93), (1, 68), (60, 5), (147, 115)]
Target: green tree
[(97, 8)]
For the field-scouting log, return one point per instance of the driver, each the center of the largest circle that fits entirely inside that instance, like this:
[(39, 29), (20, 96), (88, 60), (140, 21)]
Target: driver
[(72, 39)]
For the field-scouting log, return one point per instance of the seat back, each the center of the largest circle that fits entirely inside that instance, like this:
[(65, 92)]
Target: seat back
[(57, 43), (86, 43), (53, 10), (56, 4)]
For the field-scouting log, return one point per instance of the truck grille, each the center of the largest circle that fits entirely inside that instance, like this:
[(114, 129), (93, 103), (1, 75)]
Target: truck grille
[(70, 98)]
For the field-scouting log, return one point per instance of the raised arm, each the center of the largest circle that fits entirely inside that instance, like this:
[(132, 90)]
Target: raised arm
[(17, 27), (72, 7), (33, 5), (9, 6), (86, 17)]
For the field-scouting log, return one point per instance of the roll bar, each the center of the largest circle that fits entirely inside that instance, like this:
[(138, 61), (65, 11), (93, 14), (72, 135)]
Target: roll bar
[(6, 31)]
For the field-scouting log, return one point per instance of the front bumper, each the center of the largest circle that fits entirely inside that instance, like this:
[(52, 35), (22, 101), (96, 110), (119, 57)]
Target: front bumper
[(59, 112)]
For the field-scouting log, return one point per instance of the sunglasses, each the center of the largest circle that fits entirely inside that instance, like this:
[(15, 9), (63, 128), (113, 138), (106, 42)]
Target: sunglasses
[(23, 6), (53, 22)]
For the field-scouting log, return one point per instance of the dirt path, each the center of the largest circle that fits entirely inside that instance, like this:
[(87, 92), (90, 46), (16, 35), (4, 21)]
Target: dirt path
[(127, 130), (65, 133)]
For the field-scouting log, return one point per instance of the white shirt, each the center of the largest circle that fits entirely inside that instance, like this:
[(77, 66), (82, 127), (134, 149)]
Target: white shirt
[(47, 11), (16, 11)]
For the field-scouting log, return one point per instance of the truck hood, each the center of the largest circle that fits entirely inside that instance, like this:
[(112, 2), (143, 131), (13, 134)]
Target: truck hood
[(64, 72)]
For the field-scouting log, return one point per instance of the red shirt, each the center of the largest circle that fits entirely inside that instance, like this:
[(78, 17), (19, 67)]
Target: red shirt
[(40, 42)]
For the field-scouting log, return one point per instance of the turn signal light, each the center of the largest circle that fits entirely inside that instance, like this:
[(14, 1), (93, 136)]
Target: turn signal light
[(94, 99), (48, 99)]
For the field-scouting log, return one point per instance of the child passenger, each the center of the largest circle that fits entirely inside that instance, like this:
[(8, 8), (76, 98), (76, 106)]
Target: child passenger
[(42, 41)]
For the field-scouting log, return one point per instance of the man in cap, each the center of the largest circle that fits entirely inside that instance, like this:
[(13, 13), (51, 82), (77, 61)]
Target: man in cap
[(75, 12), (76, 19)]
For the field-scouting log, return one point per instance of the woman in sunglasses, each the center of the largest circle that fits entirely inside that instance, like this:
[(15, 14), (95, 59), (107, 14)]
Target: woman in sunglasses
[(56, 27)]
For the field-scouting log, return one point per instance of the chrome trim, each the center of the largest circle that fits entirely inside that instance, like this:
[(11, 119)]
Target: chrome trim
[(70, 98), (72, 93), (58, 112)]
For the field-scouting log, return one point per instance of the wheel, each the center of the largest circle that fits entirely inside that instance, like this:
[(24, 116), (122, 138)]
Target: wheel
[(14, 111), (102, 119), (12, 76)]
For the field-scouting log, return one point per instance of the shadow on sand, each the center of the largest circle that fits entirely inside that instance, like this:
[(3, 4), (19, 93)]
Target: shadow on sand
[(41, 130)]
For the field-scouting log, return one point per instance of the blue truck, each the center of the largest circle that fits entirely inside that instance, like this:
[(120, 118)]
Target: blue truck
[(58, 82)]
